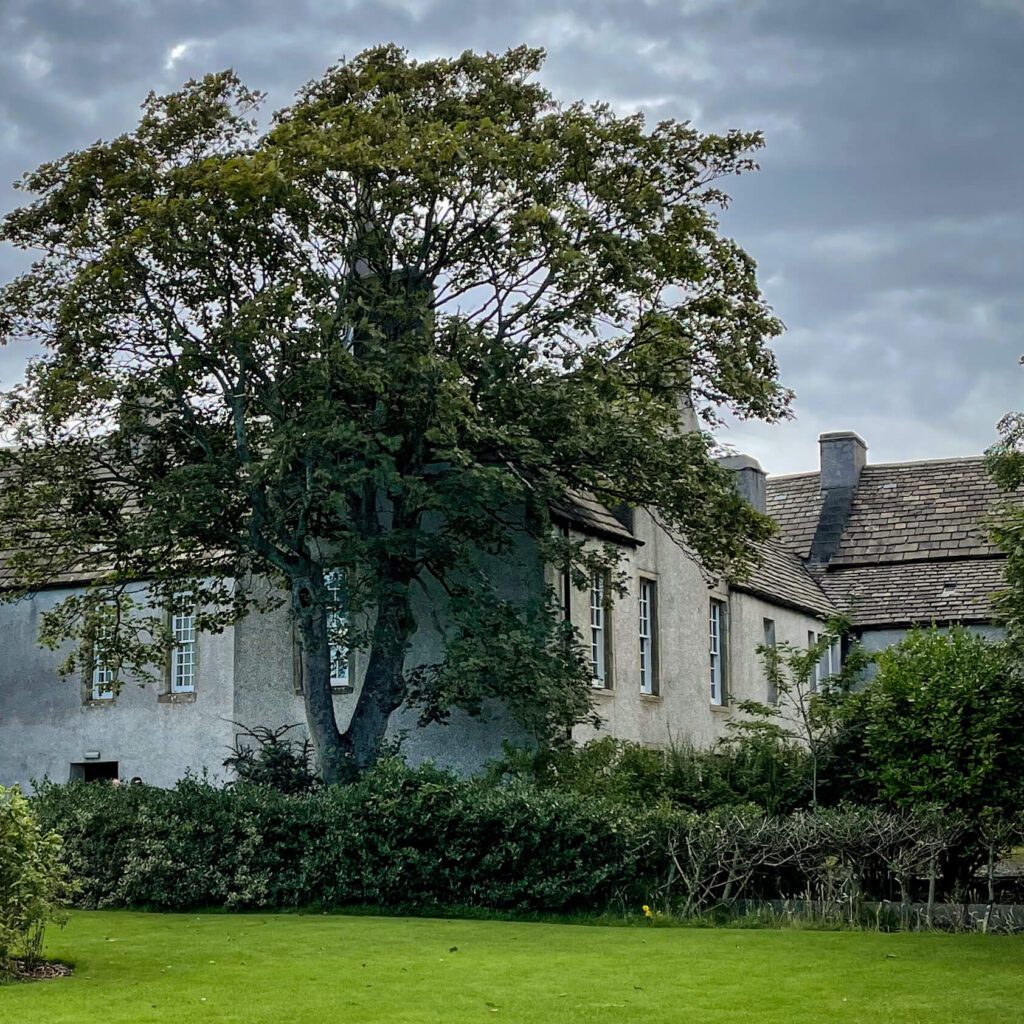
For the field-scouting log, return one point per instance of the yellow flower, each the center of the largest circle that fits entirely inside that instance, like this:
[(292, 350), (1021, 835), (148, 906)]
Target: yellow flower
[(647, 911)]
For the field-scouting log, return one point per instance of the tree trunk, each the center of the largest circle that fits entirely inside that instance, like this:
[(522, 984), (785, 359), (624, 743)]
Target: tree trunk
[(383, 689), (311, 616), (932, 871), (344, 754)]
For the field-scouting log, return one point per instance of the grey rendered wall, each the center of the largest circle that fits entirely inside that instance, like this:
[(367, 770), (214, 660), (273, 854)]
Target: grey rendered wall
[(46, 724), (265, 677), (682, 710), (747, 677), (878, 639)]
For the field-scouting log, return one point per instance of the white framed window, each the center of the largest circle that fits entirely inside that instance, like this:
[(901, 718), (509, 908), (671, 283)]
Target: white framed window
[(183, 650), (768, 626), (830, 662), (815, 680), (337, 622), (648, 601), (102, 672), (599, 632), (716, 650)]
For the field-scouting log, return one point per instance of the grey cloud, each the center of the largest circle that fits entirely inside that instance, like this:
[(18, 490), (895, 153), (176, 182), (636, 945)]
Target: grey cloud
[(885, 218)]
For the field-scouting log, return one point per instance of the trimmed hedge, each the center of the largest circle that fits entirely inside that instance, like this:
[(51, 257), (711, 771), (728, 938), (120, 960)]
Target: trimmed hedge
[(396, 837), (425, 839)]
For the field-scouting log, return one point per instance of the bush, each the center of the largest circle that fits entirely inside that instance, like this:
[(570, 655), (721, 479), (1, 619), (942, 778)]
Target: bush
[(397, 837), (32, 881), (942, 724), (753, 768), (285, 764), (424, 840)]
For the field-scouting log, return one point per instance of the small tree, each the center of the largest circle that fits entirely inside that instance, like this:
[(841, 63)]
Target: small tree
[(942, 723), (809, 697), (360, 353), (33, 883), (270, 759)]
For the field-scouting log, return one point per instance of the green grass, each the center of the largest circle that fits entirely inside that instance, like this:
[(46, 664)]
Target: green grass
[(137, 968)]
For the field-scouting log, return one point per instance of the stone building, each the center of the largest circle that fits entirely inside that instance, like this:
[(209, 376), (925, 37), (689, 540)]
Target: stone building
[(889, 546), (895, 545)]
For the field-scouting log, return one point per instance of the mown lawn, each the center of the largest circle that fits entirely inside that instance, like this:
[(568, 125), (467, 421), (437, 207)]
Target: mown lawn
[(138, 968)]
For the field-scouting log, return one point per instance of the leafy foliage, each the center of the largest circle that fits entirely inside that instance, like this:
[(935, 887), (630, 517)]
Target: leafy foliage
[(286, 765), (1005, 463), (373, 343), (426, 839), (33, 881), (809, 699), (767, 773), (943, 723), (395, 837)]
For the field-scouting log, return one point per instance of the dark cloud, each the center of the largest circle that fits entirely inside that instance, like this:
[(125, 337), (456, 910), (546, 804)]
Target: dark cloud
[(886, 217)]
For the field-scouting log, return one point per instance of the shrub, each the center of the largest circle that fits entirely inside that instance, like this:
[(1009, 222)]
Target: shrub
[(942, 724), (396, 837), (32, 880), (421, 839), (285, 764), (752, 768)]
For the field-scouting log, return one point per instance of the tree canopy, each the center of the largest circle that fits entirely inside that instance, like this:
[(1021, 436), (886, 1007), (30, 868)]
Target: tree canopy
[(1005, 462), (355, 351), (942, 723)]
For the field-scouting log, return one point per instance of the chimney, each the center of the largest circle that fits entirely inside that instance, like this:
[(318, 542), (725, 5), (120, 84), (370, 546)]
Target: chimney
[(748, 479), (843, 456)]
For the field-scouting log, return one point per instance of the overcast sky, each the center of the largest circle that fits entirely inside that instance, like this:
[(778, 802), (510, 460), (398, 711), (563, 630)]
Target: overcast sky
[(887, 219)]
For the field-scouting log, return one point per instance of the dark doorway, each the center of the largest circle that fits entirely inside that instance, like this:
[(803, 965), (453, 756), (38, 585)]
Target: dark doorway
[(93, 771)]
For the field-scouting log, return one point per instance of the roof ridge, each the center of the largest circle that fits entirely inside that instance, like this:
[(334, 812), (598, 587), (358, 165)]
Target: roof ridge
[(924, 462), (773, 477), (778, 477), (837, 564)]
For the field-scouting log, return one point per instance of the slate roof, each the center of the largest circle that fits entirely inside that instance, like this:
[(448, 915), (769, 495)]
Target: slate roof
[(914, 547), (794, 502), (902, 593), (782, 578), (586, 513)]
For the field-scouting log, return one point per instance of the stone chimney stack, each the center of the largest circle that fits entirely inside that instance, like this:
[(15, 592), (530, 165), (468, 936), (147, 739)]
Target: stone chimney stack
[(843, 456), (748, 477)]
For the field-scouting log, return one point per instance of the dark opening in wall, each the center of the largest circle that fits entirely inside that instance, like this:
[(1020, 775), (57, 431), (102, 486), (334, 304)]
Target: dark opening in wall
[(93, 771)]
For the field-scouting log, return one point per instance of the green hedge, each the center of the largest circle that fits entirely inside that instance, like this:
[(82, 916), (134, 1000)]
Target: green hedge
[(424, 839), (396, 837)]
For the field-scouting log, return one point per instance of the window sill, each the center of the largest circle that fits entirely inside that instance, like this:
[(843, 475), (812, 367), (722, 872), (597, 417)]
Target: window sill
[(176, 698), (104, 703), (336, 690), (721, 709), (652, 698), (602, 691)]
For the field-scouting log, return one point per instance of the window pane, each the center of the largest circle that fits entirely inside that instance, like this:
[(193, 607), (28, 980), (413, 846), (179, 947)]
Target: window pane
[(647, 611), (183, 653), (337, 625), (102, 674), (812, 639), (715, 650), (769, 641), (597, 631)]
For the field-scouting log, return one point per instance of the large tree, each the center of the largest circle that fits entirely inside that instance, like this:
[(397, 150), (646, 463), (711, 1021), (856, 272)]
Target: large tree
[(359, 351), (1005, 463)]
